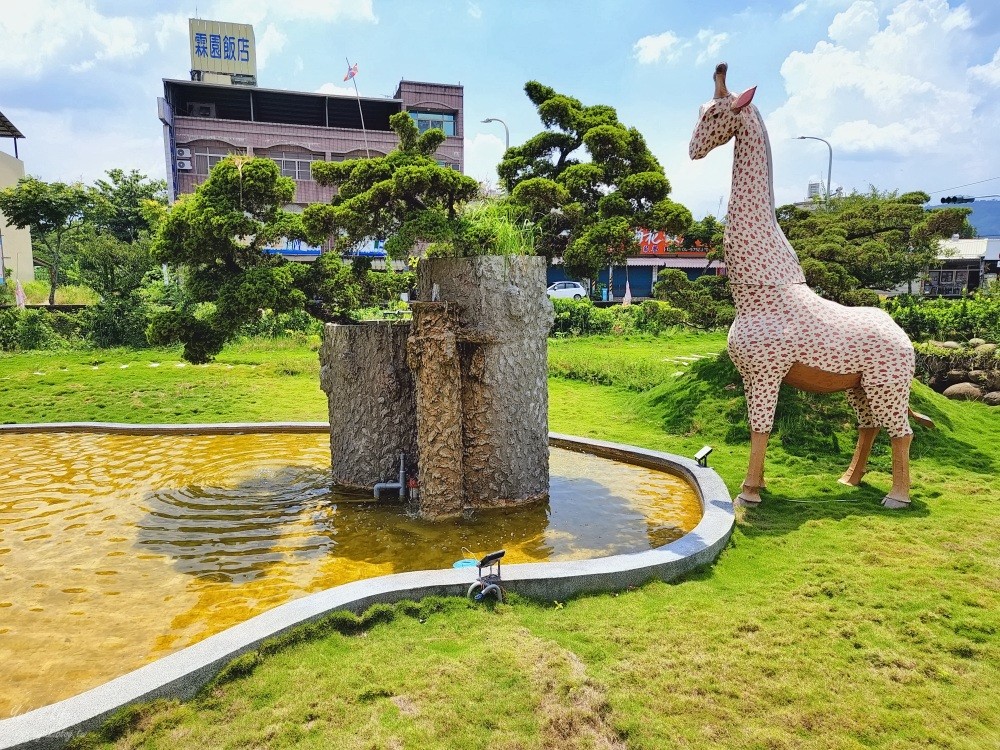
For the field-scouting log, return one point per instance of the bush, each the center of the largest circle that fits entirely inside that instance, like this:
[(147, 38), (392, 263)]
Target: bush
[(8, 329), (960, 319), (272, 325), (582, 318), (33, 331), (659, 315), (118, 322)]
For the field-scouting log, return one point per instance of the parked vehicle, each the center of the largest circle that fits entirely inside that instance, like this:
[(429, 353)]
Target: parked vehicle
[(567, 289)]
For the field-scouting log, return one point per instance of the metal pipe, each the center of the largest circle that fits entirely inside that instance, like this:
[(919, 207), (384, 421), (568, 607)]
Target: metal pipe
[(400, 485)]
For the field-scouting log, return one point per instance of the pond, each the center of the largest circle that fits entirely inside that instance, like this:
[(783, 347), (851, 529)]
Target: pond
[(116, 550)]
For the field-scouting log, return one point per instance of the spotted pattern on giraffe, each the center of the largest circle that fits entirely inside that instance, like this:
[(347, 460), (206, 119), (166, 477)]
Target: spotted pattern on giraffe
[(780, 321)]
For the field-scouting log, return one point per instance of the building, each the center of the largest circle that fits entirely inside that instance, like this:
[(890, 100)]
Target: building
[(205, 122), (657, 251), (15, 244), (962, 266), (222, 111)]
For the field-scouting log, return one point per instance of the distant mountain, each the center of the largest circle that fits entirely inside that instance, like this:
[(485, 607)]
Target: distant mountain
[(985, 216)]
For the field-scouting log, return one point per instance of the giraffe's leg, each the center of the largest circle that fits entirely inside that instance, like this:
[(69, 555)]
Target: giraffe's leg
[(890, 404), (899, 495), (754, 482), (867, 430), (762, 398)]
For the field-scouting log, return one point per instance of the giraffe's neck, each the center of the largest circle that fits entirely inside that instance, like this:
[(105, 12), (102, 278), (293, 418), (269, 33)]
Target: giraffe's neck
[(756, 249)]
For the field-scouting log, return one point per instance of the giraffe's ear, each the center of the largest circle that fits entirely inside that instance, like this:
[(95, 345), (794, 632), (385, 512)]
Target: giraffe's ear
[(743, 99)]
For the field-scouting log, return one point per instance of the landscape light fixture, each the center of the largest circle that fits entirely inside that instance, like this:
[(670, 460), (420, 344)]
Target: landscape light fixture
[(829, 167), (506, 131)]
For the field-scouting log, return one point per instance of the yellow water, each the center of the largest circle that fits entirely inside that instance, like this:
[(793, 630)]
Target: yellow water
[(116, 550)]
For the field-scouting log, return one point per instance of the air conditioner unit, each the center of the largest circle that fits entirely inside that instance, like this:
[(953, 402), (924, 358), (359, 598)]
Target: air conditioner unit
[(183, 153), (198, 109), (184, 164)]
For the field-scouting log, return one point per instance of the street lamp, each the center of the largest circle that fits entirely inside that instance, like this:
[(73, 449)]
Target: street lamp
[(829, 168), (506, 131)]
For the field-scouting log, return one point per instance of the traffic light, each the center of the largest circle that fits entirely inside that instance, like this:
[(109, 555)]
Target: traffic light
[(957, 199)]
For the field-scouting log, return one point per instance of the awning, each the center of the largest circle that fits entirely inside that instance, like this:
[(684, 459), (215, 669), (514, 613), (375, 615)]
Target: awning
[(675, 262), (7, 129)]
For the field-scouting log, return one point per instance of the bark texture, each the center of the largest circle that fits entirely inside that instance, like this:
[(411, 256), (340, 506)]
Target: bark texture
[(503, 318), (370, 393), (432, 354)]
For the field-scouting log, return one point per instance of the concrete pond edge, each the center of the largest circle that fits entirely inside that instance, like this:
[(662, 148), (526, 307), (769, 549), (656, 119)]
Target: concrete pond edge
[(183, 673)]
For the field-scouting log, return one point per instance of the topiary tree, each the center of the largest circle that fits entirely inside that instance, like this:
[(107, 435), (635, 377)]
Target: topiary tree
[(404, 198), (865, 241), (217, 237), (588, 182)]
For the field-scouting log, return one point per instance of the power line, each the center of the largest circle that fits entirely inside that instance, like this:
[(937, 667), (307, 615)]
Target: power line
[(978, 182)]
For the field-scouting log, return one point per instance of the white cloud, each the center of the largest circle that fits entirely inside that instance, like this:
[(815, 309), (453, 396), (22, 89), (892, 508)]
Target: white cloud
[(988, 73), (894, 88), (68, 32), (475, 11), (668, 47), (710, 43), (69, 145), (650, 49), (483, 152), (335, 89), (269, 43), (795, 12), (317, 11), (855, 26)]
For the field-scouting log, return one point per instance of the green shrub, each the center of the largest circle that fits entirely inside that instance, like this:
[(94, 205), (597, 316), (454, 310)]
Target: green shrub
[(118, 322), (8, 329), (977, 316), (659, 315), (33, 330)]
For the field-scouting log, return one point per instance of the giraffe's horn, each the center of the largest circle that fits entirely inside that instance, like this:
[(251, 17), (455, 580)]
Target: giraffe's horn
[(720, 80)]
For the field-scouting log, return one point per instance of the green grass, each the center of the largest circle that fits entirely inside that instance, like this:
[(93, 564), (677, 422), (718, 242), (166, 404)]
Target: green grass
[(828, 622), (242, 384)]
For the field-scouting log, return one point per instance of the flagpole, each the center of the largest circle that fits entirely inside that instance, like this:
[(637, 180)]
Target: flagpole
[(360, 111)]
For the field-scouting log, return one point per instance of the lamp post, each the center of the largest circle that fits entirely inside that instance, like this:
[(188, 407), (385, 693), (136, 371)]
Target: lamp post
[(506, 131), (829, 168)]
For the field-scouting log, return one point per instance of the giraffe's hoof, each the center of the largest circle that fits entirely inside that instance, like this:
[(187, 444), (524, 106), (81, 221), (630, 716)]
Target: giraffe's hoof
[(747, 500), (850, 480), (893, 504)]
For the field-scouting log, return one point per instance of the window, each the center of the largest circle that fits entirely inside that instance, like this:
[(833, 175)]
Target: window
[(450, 165), (427, 120), (294, 164), (206, 157)]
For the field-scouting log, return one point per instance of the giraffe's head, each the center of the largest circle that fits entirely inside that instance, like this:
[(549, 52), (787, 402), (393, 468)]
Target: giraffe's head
[(719, 119)]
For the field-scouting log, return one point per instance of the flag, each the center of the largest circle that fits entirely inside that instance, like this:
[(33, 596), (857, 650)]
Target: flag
[(352, 70), (19, 295), (627, 299)]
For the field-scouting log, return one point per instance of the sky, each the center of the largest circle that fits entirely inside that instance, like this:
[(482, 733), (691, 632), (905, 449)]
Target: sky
[(907, 92)]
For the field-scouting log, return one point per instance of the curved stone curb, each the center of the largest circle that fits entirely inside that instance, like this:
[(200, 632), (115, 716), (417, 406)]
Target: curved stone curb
[(183, 673)]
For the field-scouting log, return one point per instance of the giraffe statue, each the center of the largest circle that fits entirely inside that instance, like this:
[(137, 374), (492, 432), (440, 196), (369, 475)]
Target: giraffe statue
[(786, 333)]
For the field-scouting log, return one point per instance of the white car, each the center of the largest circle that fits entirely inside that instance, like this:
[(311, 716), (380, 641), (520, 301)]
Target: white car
[(567, 290)]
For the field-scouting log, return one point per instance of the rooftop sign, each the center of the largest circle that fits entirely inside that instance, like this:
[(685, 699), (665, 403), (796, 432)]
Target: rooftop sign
[(218, 47)]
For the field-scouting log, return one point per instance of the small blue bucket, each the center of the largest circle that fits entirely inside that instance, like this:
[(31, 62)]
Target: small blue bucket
[(464, 563)]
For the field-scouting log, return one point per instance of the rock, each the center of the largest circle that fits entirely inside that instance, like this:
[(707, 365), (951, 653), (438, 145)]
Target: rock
[(992, 398), (956, 376), (937, 382), (984, 348), (979, 377), (975, 342), (949, 344), (964, 392)]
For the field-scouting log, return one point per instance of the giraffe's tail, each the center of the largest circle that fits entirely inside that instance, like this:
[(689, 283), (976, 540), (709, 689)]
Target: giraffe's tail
[(921, 419)]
